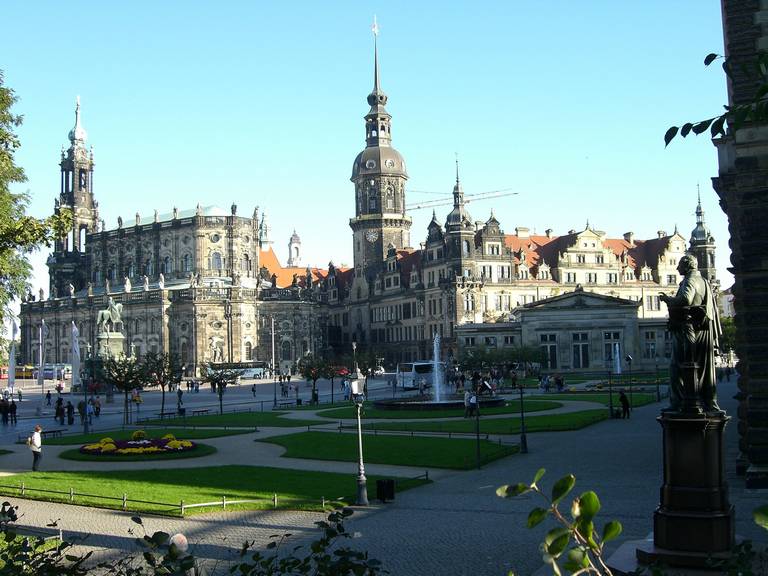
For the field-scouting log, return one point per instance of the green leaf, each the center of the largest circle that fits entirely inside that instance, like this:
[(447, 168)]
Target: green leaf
[(562, 487), (554, 535), (589, 505), (611, 530), (559, 544), (539, 475), (710, 58), (536, 516), (700, 127), (669, 136), (512, 490), (761, 516), (587, 529), (717, 127), (576, 559)]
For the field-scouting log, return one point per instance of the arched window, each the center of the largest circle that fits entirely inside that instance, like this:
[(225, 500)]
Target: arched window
[(216, 261), (465, 247), (136, 326), (167, 266), (390, 200), (112, 273), (130, 269), (95, 276), (246, 262), (286, 350), (187, 263), (149, 268), (248, 351), (372, 200), (184, 351)]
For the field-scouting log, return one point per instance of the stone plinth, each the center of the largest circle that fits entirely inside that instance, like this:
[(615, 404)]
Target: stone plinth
[(110, 344), (694, 520)]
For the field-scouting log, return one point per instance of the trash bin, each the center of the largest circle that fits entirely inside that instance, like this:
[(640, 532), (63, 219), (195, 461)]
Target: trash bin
[(385, 489), (182, 411), (298, 401)]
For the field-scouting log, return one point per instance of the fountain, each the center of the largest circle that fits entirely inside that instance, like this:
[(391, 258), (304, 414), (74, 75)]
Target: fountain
[(441, 398)]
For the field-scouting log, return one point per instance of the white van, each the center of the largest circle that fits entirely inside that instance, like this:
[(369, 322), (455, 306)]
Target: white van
[(412, 374)]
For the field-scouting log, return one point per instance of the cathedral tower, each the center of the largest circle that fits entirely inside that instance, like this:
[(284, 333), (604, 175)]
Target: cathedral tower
[(379, 176), (67, 264), (703, 247)]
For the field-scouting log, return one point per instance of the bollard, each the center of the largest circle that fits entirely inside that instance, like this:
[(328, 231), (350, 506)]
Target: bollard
[(71, 494), (323, 497), (125, 502), (23, 487), (274, 499), (224, 502)]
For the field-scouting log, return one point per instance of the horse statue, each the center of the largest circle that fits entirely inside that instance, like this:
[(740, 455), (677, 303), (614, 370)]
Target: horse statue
[(107, 320)]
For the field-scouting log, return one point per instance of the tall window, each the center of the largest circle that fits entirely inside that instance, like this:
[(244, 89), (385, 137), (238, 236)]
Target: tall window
[(548, 344), (187, 263), (611, 346), (286, 351), (216, 261), (581, 350), (469, 301), (649, 350), (248, 351)]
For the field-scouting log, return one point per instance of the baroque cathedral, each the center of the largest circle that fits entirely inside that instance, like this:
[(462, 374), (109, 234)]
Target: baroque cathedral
[(206, 285)]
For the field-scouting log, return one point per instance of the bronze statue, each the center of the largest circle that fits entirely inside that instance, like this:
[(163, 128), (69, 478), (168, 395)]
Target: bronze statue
[(694, 323), (107, 320)]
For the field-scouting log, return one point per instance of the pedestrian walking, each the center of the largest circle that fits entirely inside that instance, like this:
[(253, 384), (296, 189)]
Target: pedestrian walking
[(48, 398), (70, 413), (180, 393), (467, 395), (35, 443), (253, 390), (89, 410), (12, 411), (19, 394), (624, 405)]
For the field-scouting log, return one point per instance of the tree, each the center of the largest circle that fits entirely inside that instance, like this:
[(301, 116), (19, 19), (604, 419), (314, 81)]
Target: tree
[(728, 337), (124, 374), (161, 369), (312, 368), (220, 378), (19, 233), (735, 116)]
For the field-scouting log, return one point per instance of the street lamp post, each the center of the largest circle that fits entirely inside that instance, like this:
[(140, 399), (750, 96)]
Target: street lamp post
[(523, 439), (358, 397), (658, 390), (85, 388), (274, 382), (610, 393), (629, 364)]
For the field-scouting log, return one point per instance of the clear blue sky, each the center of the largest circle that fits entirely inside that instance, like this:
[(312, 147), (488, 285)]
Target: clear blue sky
[(262, 103)]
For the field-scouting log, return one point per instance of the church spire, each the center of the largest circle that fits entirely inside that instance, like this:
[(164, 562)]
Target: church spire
[(78, 135), (378, 120)]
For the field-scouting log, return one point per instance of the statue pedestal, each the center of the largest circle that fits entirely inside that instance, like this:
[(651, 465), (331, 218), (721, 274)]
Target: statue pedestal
[(110, 344), (694, 519)]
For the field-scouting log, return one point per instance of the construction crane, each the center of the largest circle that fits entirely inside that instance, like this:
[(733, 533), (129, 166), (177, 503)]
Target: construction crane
[(467, 198)]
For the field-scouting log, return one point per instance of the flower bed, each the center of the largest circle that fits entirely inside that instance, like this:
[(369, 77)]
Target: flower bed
[(139, 444)]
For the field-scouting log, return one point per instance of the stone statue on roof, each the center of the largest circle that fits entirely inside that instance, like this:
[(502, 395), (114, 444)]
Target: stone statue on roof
[(146, 283), (71, 288), (161, 282), (127, 286), (274, 280), (295, 281)]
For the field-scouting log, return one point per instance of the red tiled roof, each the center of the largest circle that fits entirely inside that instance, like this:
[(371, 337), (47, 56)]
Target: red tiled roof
[(268, 259)]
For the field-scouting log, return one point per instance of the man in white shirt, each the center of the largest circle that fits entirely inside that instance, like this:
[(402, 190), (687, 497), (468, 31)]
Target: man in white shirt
[(36, 445)]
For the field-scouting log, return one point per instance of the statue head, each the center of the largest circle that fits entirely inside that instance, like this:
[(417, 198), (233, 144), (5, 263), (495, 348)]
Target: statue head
[(687, 263)]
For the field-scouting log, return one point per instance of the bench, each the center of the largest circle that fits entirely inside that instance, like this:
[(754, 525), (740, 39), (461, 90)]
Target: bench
[(169, 413), (286, 403), (200, 411)]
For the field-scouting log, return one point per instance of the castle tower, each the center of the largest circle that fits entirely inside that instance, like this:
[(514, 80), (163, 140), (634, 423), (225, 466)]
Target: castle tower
[(459, 229), (379, 176), (702, 245), (294, 251), (67, 264)]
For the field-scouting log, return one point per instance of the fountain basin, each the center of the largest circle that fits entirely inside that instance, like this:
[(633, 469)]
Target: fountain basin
[(427, 403)]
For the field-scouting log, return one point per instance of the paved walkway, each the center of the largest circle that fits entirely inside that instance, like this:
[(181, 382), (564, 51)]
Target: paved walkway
[(454, 526)]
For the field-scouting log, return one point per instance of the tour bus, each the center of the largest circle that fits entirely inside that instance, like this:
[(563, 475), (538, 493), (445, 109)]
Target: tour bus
[(411, 374), (25, 372)]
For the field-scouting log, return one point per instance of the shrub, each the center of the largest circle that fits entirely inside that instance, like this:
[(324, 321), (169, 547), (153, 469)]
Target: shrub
[(139, 435), (169, 437)]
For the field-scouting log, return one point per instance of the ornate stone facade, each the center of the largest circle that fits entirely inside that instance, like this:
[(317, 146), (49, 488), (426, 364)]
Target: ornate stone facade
[(189, 282)]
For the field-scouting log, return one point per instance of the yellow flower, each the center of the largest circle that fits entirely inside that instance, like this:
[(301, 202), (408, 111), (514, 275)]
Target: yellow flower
[(169, 437), (138, 435), (106, 441), (108, 447)]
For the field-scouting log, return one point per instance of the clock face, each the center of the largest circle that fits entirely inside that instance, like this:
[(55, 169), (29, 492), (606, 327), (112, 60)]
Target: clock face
[(371, 236)]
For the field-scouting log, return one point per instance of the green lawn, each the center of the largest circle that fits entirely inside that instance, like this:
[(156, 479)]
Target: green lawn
[(543, 423), (199, 451), (180, 433), (369, 412), (242, 419), (638, 398), (456, 453), (295, 489)]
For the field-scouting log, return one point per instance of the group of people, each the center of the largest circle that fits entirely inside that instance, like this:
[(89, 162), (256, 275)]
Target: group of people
[(8, 411), (60, 410), (546, 382)]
